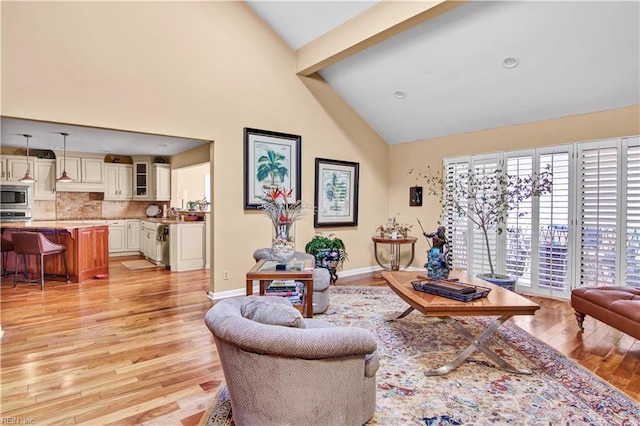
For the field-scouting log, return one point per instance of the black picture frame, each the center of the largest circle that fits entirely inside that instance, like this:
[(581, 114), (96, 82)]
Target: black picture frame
[(284, 159), (336, 193), (415, 196)]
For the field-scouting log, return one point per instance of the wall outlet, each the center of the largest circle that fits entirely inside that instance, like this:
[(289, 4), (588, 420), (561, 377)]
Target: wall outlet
[(225, 275)]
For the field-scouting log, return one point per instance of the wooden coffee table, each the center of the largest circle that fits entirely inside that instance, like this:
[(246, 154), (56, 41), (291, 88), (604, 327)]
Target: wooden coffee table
[(265, 272), (499, 302)]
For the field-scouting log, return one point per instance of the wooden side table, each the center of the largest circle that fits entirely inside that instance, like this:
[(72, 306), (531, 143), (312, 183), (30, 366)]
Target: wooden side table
[(395, 244), (265, 272)]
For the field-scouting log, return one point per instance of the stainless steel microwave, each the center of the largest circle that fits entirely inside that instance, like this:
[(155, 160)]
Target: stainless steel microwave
[(15, 197)]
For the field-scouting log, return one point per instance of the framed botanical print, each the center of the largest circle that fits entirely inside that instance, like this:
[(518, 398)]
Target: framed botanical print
[(336, 193), (271, 161)]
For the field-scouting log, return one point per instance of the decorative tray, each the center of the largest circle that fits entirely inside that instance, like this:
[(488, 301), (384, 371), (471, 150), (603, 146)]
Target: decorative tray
[(451, 290)]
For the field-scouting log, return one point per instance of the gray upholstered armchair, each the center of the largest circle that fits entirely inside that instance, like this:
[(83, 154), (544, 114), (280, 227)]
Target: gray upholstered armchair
[(283, 374), (321, 278)]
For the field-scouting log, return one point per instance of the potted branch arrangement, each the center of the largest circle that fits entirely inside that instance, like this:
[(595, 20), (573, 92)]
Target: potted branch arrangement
[(486, 199), (330, 252)]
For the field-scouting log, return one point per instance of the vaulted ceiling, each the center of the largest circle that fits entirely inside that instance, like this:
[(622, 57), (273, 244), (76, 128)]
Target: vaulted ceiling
[(419, 70), (416, 70)]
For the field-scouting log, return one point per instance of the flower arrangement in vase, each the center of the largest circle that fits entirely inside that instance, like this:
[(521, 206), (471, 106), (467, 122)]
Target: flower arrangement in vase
[(283, 214), (393, 229)]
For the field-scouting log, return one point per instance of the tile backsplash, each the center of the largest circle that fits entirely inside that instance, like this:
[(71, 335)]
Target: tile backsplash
[(79, 205), (89, 205)]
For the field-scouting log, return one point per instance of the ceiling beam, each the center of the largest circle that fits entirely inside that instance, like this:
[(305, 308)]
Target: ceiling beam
[(374, 25)]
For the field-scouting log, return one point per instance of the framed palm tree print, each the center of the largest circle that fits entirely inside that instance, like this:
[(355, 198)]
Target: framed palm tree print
[(336, 193), (271, 162)]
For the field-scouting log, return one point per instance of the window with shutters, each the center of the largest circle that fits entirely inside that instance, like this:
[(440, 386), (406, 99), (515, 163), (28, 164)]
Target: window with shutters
[(519, 225), (599, 186), (570, 237), (479, 251), (631, 147), (553, 224), (456, 224)]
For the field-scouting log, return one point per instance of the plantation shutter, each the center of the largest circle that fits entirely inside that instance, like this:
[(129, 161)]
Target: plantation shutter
[(598, 180), (632, 240), (456, 225), (519, 225), (478, 251), (553, 224)]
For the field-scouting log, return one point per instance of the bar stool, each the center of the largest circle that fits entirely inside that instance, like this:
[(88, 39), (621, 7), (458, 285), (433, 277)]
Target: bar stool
[(35, 243), (6, 247)]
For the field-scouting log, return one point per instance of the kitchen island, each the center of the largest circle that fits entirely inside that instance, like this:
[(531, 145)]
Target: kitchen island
[(87, 248)]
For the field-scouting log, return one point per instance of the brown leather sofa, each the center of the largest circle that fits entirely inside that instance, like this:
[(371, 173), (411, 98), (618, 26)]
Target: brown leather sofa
[(618, 307)]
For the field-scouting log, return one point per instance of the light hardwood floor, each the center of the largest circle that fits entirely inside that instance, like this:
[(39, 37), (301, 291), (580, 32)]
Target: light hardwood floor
[(133, 349)]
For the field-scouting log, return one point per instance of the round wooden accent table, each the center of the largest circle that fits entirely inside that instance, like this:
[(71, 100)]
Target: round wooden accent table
[(395, 244)]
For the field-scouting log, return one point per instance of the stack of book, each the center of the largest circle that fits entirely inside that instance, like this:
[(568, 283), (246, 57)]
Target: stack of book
[(293, 290)]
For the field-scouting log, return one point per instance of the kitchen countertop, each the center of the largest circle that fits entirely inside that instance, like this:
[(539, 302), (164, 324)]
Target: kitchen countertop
[(53, 224), (172, 221), (80, 223)]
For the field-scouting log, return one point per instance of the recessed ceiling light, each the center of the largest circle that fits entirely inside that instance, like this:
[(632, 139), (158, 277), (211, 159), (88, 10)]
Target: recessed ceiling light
[(399, 94), (103, 151), (510, 62)]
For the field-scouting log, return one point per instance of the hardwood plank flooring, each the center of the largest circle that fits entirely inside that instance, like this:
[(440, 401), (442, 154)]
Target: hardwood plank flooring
[(133, 348)]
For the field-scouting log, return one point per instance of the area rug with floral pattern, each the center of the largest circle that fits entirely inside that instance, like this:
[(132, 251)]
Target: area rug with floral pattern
[(558, 392)]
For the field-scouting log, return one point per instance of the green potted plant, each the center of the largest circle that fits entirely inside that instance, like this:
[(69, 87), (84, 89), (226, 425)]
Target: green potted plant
[(486, 200), (203, 205), (329, 251)]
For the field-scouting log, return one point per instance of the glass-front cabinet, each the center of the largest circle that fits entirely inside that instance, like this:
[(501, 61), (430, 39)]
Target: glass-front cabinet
[(152, 180), (141, 189)]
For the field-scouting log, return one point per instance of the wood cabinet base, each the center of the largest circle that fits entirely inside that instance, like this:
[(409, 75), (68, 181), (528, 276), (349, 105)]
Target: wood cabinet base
[(87, 252)]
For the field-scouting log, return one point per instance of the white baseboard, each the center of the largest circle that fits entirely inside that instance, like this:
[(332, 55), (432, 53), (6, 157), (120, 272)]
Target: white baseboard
[(256, 288), (232, 293), (124, 253), (368, 269)]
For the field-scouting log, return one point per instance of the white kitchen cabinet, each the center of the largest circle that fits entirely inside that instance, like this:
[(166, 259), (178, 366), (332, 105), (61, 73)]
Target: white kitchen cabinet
[(117, 236), (124, 237), (133, 234), (14, 167), (44, 172), (187, 246), (92, 170), (86, 170), (161, 175), (141, 180), (72, 165), (207, 241), (152, 181), (150, 246), (118, 181)]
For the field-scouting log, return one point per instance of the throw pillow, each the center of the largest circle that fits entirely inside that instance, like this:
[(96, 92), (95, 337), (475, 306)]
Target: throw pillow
[(271, 310)]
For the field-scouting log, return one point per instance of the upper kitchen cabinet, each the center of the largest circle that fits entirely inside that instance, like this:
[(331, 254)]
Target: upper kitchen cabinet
[(162, 180), (118, 181), (13, 167), (44, 172), (151, 181), (86, 170)]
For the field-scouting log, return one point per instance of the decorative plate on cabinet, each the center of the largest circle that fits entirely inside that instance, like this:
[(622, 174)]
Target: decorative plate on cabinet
[(152, 210)]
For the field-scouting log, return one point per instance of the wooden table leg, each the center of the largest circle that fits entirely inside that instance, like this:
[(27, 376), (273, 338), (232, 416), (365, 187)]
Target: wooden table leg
[(308, 295), (249, 287)]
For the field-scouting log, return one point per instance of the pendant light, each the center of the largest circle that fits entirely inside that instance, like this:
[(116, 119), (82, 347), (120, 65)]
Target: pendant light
[(27, 176), (65, 177)]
